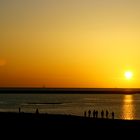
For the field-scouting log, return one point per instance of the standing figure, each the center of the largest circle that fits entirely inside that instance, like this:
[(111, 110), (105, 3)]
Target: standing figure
[(107, 114), (113, 115), (102, 114), (37, 112), (96, 113), (19, 110), (89, 113)]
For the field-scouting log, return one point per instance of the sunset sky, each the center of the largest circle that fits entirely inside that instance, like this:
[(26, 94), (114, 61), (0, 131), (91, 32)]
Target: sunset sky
[(69, 43)]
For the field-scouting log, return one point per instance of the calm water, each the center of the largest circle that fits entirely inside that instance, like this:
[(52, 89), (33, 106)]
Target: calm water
[(124, 106)]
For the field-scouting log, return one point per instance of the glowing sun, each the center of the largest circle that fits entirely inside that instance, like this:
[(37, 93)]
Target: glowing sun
[(128, 75)]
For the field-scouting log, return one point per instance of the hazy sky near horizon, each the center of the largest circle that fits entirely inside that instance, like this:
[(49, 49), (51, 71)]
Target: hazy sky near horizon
[(69, 43)]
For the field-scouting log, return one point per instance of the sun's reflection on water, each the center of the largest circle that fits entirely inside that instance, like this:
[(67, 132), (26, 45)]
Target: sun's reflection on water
[(128, 107)]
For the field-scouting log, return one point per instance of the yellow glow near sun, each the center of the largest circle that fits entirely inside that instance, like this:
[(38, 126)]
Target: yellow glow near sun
[(128, 75)]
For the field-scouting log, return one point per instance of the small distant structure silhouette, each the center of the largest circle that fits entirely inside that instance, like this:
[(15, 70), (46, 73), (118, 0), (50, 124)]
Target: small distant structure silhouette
[(85, 114), (89, 113), (113, 115), (102, 114), (107, 114)]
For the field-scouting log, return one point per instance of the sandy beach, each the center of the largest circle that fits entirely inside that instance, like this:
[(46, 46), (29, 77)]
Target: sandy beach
[(53, 124)]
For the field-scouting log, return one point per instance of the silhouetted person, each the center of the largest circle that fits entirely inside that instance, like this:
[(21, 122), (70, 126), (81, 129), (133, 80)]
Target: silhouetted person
[(37, 112), (85, 114), (113, 115), (102, 114), (89, 113), (107, 114), (96, 114), (19, 110)]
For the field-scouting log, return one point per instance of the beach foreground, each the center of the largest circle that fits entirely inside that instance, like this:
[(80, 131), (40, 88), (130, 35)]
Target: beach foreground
[(52, 125)]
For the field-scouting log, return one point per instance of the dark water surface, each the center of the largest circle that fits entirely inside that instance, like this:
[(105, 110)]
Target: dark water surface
[(124, 106)]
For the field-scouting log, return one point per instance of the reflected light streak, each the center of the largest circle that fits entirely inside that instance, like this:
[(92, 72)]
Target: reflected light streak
[(128, 107)]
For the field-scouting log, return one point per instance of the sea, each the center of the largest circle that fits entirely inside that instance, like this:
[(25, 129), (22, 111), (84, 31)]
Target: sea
[(125, 106)]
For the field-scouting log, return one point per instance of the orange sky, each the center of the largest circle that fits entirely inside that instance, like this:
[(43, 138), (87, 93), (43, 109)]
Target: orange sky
[(69, 43)]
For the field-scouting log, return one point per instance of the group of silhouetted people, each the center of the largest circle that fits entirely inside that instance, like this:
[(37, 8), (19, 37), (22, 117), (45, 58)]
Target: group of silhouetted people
[(88, 113), (95, 113)]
